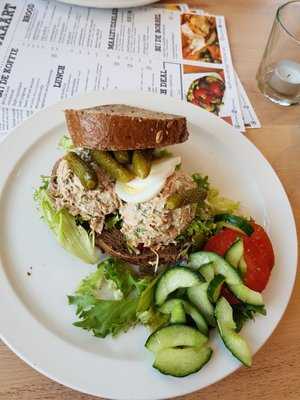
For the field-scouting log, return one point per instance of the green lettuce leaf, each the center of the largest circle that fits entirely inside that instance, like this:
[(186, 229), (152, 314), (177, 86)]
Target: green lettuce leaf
[(216, 203), (153, 318), (244, 312), (72, 237), (146, 298), (202, 181), (105, 317), (113, 221), (90, 285), (220, 204), (65, 143), (122, 276)]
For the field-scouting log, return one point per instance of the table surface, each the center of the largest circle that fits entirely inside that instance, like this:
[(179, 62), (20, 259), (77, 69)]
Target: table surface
[(276, 370)]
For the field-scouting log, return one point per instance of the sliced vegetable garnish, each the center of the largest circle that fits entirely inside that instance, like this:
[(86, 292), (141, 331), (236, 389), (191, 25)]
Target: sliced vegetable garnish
[(221, 241), (258, 257), (234, 254), (207, 271), (169, 305), (181, 362), (220, 265), (214, 288), (261, 239), (247, 295), (258, 271), (235, 221), (172, 279), (178, 314), (198, 296), (174, 336), (242, 267), (227, 328)]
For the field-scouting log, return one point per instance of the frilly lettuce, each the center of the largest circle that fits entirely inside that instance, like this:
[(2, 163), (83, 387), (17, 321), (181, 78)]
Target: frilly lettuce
[(72, 237), (220, 204), (65, 143), (104, 317), (203, 225)]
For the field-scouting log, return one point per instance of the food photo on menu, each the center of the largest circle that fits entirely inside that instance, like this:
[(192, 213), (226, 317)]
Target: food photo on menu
[(199, 38), (207, 88), (142, 249)]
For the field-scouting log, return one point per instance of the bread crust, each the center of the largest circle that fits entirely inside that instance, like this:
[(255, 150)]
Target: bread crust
[(113, 243), (120, 127)]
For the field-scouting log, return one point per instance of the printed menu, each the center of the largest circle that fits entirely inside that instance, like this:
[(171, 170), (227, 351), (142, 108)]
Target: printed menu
[(51, 51)]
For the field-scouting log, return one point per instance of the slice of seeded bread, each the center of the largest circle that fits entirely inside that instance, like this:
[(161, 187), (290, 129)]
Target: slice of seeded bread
[(113, 243), (122, 127)]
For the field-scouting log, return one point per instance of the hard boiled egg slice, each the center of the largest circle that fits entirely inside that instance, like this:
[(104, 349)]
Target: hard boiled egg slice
[(139, 190)]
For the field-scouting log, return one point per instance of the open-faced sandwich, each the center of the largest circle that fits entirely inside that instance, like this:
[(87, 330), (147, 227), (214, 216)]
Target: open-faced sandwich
[(118, 188), (121, 183)]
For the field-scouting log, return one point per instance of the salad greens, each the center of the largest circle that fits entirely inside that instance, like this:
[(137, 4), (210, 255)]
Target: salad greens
[(104, 317), (220, 204), (243, 312), (132, 304), (71, 236), (203, 226), (65, 143), (113, 221)]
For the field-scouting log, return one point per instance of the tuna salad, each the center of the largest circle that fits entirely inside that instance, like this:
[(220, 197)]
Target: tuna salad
[(90, 205), (151, 223)]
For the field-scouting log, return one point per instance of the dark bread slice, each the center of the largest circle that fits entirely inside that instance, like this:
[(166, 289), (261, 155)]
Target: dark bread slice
[(122, 127), (113, 243)]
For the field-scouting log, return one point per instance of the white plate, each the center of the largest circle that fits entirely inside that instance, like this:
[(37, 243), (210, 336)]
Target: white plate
[(35, 320), (108, 3)]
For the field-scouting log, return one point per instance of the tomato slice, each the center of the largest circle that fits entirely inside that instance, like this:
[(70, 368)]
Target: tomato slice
[(261, 239), (258, 255), (221, 242), (258, 271)]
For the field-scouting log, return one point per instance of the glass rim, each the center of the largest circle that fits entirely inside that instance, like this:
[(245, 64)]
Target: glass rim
[(278, 19)]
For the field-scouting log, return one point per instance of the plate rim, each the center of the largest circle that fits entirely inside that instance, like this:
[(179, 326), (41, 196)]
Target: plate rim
[(108, 3), (211, 121)]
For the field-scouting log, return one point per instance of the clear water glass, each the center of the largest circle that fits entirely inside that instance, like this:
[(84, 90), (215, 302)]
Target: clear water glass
[(278, 76)]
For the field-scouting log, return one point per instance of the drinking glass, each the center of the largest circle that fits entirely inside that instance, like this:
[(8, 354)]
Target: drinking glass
[(278, 76)]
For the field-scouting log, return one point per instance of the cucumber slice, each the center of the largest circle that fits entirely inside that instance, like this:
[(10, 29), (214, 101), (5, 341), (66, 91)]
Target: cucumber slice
[(234, 254), (232, 340), (220, 225), (214, 288), (247, 295), (178, 314), (207, 271), (169, 305), (198, 296), (172, 279), (220, 265), (197, 317), (189, 309), (182, 362), (231, 275), (242, 267), (174, 336), (236, 222)]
